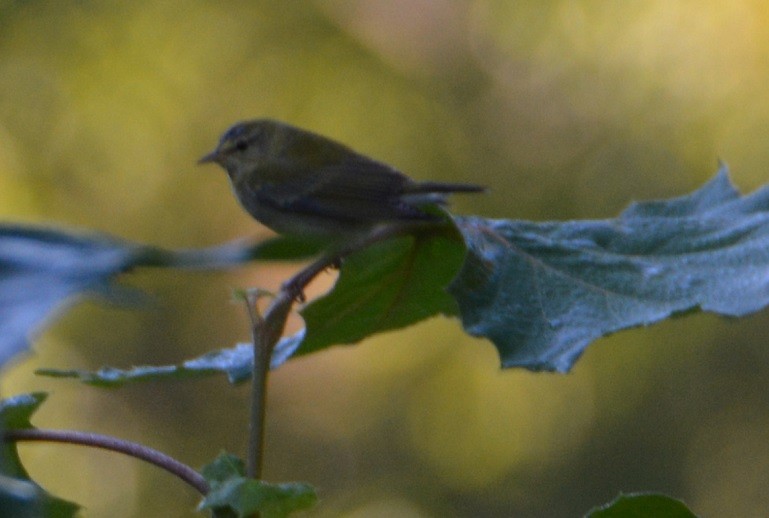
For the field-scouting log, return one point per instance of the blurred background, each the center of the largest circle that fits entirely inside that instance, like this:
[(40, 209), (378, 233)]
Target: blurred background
[(566, 109)]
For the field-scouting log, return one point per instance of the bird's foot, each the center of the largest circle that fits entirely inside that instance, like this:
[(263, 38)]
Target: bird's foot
[(294, 288)]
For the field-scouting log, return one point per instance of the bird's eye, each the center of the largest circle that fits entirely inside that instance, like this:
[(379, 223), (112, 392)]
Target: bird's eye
[(241, 144)]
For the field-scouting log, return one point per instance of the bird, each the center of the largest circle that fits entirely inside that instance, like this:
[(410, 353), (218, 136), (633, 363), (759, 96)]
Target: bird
[(302, 184)]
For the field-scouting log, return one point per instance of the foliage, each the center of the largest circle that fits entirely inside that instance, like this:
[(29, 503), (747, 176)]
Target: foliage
[(541, 292), (43, 270), (232, 491), (19, 495), (642, 504)]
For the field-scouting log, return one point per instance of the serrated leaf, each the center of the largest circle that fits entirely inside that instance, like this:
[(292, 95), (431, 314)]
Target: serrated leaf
[(387, 286), (15, 413), (541, 292), (640, 505), (19, 495), (232, 491), (44, 270)]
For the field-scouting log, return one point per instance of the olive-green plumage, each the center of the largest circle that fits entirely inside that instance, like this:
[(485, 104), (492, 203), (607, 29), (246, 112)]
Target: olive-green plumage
[(302, 184)]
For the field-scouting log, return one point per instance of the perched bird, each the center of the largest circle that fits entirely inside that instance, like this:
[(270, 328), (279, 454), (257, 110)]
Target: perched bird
[(299, 183)]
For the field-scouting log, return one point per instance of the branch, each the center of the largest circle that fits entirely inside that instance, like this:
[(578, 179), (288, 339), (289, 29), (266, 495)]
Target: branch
[(268, 328), (132, 449)]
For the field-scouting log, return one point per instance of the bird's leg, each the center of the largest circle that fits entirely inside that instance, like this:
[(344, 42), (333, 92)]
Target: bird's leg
[(295, 286)]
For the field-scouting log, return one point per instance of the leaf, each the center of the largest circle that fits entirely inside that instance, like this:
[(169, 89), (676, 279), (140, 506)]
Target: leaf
[(233, 253), (44, 270), (40, 269), (232, 491), (19, 495), (235, 362), (387, 286), (541, 292), (639, 505), (391, 285)]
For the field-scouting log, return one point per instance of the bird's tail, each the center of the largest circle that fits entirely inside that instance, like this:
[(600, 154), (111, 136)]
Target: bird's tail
[(437, 187), (426, 193)]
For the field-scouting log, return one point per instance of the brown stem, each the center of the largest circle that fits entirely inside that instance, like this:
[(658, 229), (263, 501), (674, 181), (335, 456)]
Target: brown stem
[(267, 330), (94, 440)]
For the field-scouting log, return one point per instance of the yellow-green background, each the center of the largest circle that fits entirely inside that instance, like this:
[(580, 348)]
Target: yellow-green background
[(566, 109)]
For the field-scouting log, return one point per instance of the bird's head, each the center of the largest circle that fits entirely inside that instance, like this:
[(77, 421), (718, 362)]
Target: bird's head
[(244, 145)]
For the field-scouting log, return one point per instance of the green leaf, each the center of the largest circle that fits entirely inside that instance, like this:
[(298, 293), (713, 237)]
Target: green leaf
[(235, 362), (541, 292), (642, 505), (387, 286), (232, 491), (44, 270), (233, 253), (19, 495)]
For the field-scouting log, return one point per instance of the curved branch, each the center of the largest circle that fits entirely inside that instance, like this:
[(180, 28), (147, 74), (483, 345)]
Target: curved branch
[(106, 442), (295, 286)]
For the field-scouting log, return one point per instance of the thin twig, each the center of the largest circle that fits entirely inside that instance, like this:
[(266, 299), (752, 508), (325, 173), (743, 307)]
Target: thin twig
[(94, 440), (296, 284)]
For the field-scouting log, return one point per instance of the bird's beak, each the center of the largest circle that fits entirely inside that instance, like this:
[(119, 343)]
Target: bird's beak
[(213, 156)]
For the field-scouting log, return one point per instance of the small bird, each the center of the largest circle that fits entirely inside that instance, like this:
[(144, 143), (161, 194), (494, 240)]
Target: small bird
[(299, 183)]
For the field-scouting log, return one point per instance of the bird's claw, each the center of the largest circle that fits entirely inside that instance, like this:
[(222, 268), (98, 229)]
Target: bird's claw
[(295, 291)]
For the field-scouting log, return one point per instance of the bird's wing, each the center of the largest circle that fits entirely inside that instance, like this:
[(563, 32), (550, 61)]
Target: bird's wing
[(350, 187)]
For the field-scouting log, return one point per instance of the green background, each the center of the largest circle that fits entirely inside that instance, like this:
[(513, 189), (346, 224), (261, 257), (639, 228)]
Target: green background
[(566, 109)]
